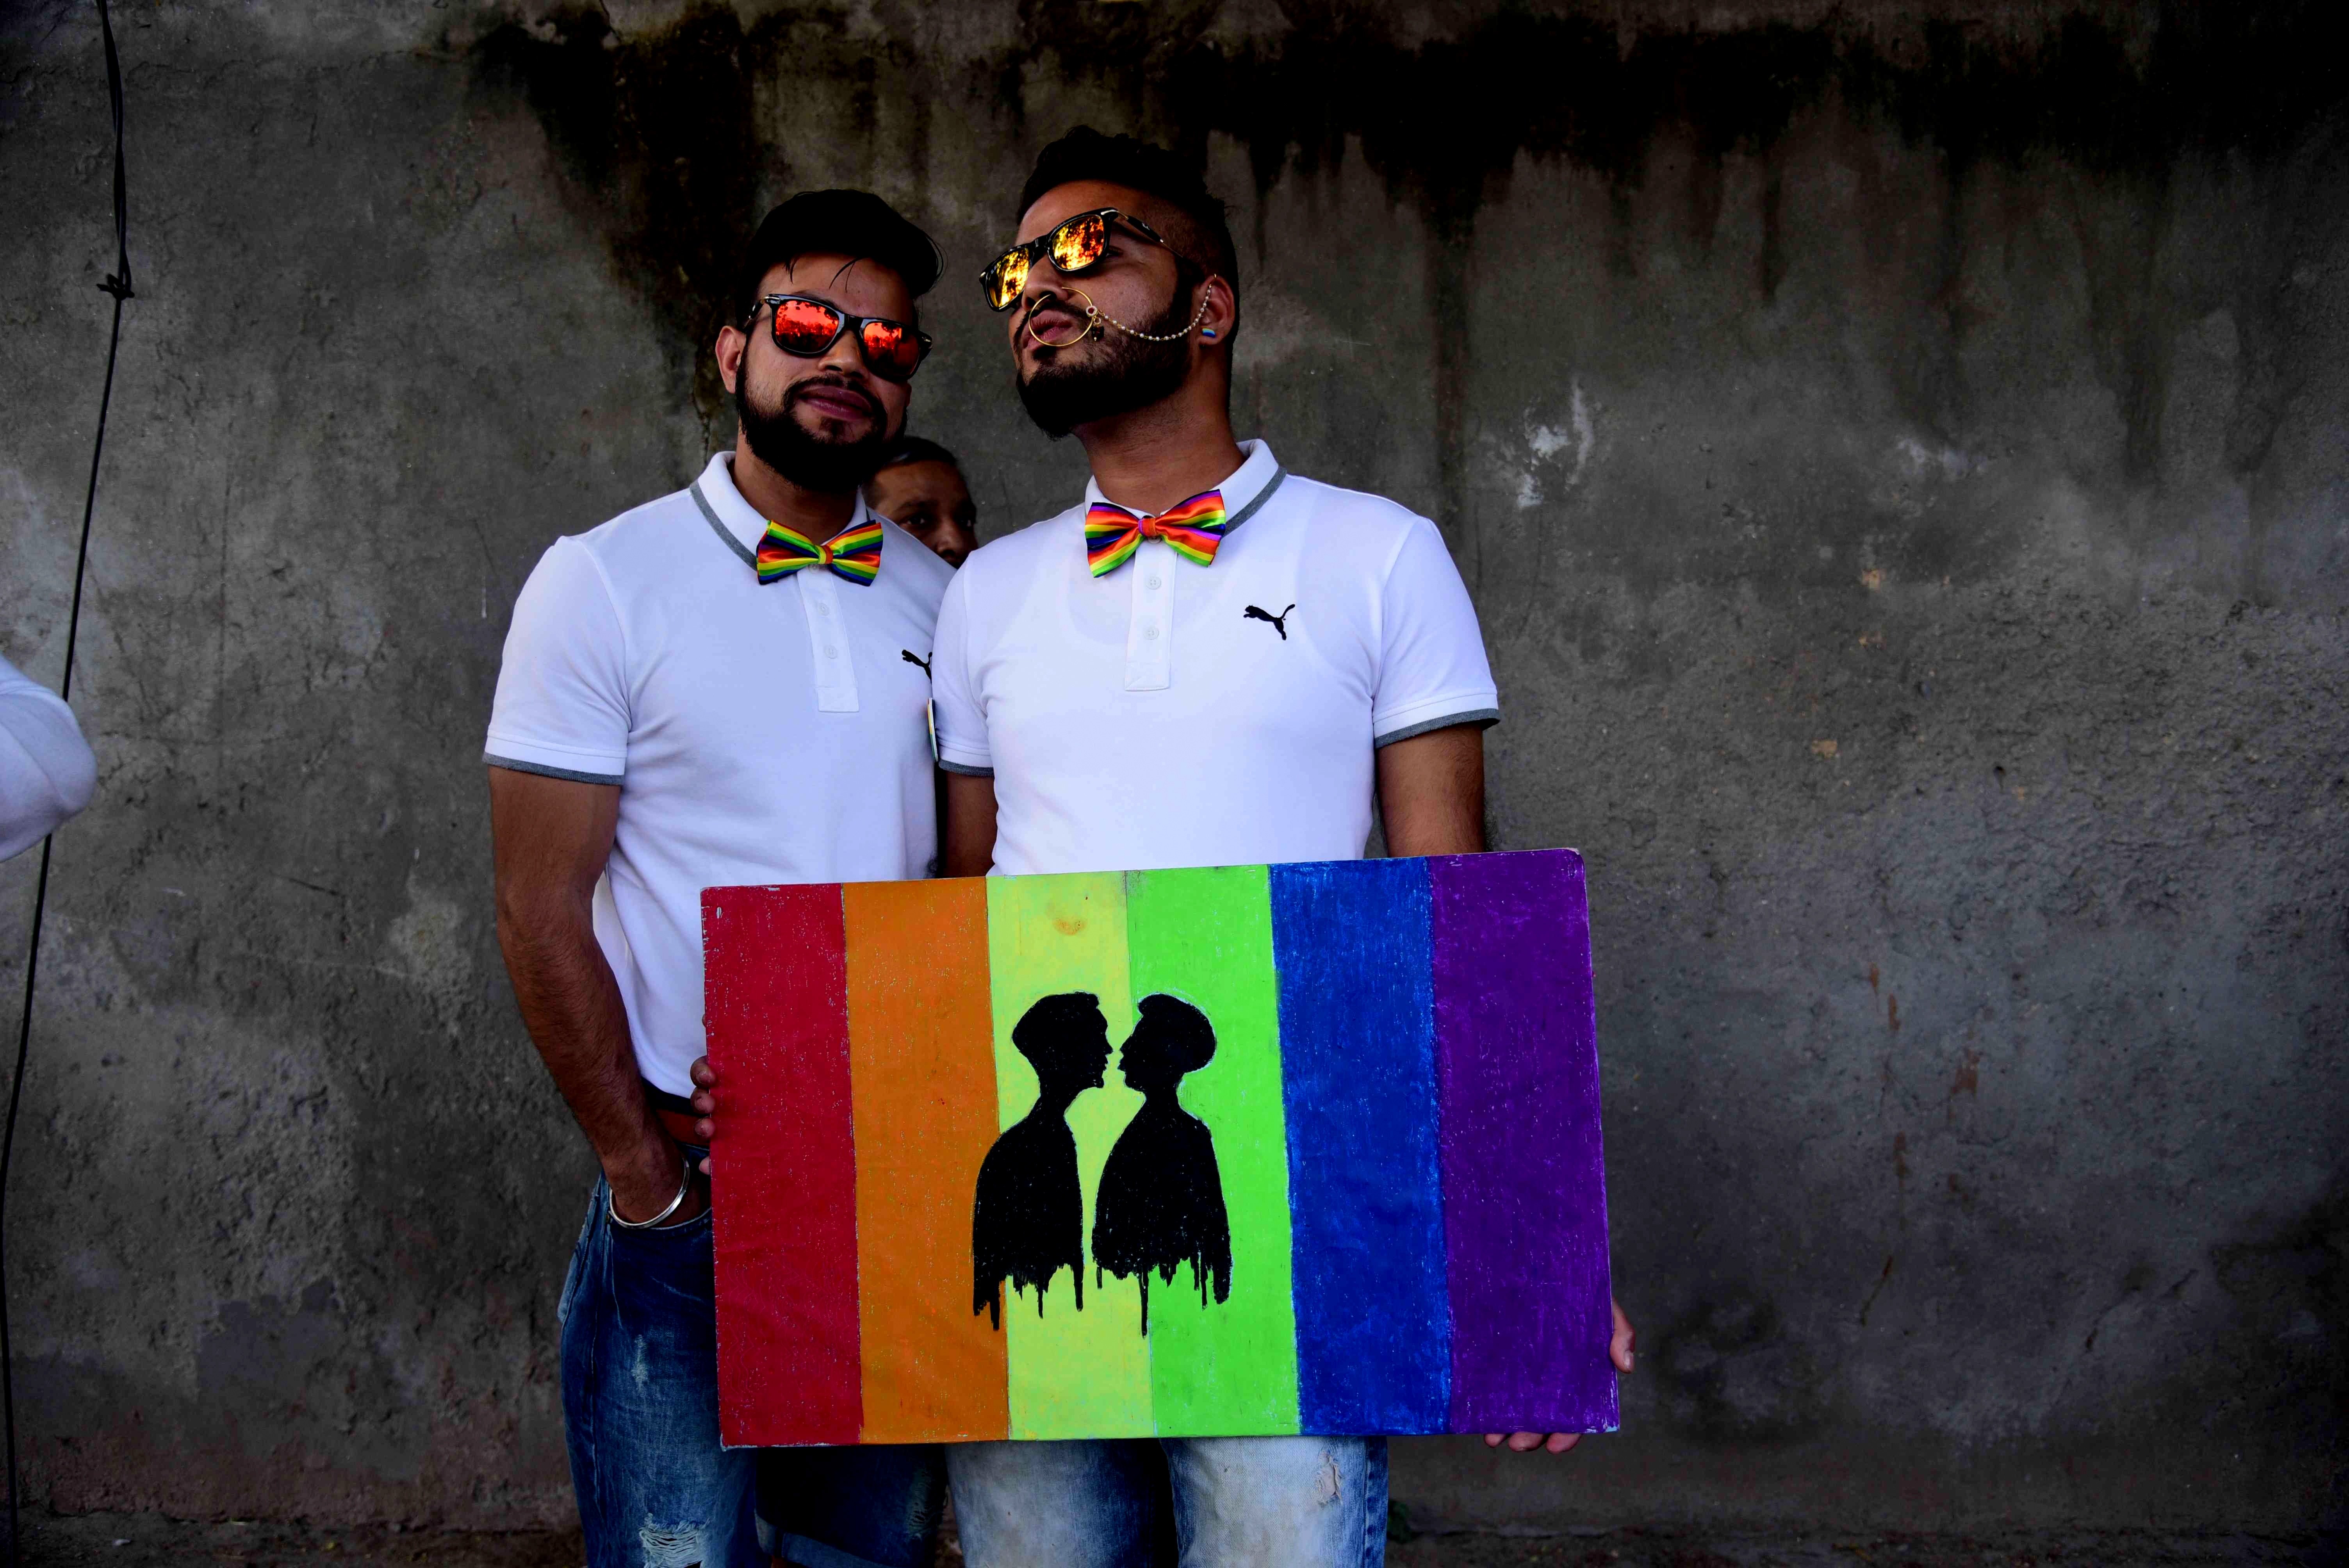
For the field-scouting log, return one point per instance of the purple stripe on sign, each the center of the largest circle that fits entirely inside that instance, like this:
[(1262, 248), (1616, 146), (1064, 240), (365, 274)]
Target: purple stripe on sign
[(1525, 1195)]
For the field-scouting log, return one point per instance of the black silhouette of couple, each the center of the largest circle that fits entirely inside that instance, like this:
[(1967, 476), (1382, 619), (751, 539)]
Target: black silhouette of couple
[(1161, 1200)]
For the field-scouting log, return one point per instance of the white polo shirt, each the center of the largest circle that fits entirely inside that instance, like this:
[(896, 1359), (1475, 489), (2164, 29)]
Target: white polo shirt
[(759, 733), (1177, 715)]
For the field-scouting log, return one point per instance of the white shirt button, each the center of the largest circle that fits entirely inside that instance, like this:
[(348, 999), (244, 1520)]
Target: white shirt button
[(1155, 579), (1150, 630), (831, 653)]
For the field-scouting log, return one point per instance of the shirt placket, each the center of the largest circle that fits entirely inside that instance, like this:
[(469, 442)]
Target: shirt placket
[(828, 648), (1150, 633)]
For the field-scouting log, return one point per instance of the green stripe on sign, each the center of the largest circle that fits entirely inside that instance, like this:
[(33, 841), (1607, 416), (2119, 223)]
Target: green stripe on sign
[(1218, 1368)]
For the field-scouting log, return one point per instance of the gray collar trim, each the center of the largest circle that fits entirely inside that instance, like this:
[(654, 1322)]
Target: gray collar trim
[(726, 533), (1262, 496)]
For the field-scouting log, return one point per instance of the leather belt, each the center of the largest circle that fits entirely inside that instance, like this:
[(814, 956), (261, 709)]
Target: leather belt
[(676, 1114)]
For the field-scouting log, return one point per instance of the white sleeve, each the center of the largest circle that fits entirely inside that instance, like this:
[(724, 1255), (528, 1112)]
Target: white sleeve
[(1433, 672), (562, 707), (962, 723), (47, 773)]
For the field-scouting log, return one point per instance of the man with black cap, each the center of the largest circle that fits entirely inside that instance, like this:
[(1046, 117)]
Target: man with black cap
[(713, 689)]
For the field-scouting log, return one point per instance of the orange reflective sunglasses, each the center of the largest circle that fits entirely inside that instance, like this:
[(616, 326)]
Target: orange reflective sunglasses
[(1075, 246), (808, 327)]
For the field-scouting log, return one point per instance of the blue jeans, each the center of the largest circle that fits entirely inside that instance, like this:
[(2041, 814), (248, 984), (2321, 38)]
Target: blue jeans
[(1173, 1503), (640, 1411)]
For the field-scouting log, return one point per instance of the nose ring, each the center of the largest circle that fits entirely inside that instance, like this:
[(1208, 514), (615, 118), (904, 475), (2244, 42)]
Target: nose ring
[(1092, 323)]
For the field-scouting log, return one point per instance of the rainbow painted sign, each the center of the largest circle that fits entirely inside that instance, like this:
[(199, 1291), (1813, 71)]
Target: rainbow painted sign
[(1250, 1149)]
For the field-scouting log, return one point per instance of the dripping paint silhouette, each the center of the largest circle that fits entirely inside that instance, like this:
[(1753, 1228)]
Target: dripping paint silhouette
[(1028, 1218), (1160, 1201)]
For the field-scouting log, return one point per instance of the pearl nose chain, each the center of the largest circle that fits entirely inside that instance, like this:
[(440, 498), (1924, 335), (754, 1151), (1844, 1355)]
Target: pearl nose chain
[(1095, 317)]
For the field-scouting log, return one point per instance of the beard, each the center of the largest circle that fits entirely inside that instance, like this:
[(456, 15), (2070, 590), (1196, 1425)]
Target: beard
[(1125, 373), (819, 463)]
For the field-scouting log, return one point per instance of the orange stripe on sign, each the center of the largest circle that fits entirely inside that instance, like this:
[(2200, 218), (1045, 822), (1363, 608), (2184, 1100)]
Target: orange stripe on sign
[(921, 1056)]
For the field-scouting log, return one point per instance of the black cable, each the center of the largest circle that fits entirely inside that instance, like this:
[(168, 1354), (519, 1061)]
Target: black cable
[(118, 283)]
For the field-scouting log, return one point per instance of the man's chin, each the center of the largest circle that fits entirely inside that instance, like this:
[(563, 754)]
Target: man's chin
[(1069, 357), (826, 431), (1058, 408), (815, 460)]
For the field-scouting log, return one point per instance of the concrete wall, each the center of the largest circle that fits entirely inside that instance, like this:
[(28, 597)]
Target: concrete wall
[(1899, 452)]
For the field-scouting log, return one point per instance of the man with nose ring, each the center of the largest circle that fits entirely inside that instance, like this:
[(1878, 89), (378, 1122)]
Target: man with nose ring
[(1208, 661)]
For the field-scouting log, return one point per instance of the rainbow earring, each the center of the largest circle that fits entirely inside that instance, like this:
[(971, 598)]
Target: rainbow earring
[(1207, 332)]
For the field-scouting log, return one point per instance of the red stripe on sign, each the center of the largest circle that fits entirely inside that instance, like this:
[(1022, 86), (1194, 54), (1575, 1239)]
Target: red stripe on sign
[(784, 1166)]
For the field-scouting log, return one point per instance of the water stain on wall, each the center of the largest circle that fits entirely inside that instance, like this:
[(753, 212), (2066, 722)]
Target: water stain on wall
[(658, 133), (654, 136), (1731, 1373)]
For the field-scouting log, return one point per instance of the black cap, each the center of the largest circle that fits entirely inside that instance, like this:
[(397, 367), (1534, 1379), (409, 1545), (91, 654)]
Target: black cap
[(915, 450), (853, 222)]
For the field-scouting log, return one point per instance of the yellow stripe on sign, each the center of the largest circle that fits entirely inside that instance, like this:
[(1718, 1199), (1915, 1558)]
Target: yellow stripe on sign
[(1075, 1372)]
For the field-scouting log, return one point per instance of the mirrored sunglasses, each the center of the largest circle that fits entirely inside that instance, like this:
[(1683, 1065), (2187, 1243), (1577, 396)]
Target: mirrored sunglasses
[(809, 327), (1075, 246)]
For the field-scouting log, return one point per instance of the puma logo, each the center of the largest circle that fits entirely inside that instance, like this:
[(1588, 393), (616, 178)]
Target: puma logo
[(907, 654), (1278, 622)]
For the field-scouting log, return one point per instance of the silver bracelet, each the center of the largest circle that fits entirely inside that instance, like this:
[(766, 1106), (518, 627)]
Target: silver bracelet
[(674, 1204)]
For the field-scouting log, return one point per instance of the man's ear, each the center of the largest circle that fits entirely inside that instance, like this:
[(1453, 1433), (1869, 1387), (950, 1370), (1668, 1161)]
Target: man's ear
[(731, 343), (1222, 313)]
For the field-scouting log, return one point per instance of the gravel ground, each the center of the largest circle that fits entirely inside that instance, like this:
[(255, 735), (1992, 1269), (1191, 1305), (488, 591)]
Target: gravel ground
[(146, 1540)]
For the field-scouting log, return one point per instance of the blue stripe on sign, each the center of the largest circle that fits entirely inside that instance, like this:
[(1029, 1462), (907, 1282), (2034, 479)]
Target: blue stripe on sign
[(1351, 941)]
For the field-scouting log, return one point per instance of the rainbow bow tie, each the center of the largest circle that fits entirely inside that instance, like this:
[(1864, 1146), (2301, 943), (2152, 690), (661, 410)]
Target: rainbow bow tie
[(856, 555), (1193, 530)]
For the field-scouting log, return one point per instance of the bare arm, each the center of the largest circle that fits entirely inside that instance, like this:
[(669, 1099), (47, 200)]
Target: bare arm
[(1431, 792), (1432, 802), (971, 826), (552, 838)]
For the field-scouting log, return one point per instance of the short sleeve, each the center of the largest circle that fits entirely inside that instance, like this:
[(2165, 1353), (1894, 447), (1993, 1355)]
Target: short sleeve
[(961, 723), (46, 772), (1433, 672), (562, 707)]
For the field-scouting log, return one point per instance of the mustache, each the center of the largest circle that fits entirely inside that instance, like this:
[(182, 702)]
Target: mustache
[(833, 384)]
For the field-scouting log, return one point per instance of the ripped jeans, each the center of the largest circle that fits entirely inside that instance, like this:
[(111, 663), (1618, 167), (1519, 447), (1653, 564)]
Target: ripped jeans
[(1173, 1503), (640, 1411)]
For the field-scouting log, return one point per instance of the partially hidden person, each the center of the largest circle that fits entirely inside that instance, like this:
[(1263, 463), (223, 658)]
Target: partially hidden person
[(1208, 661), (921, 487), (727, 685), (46, 772)]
